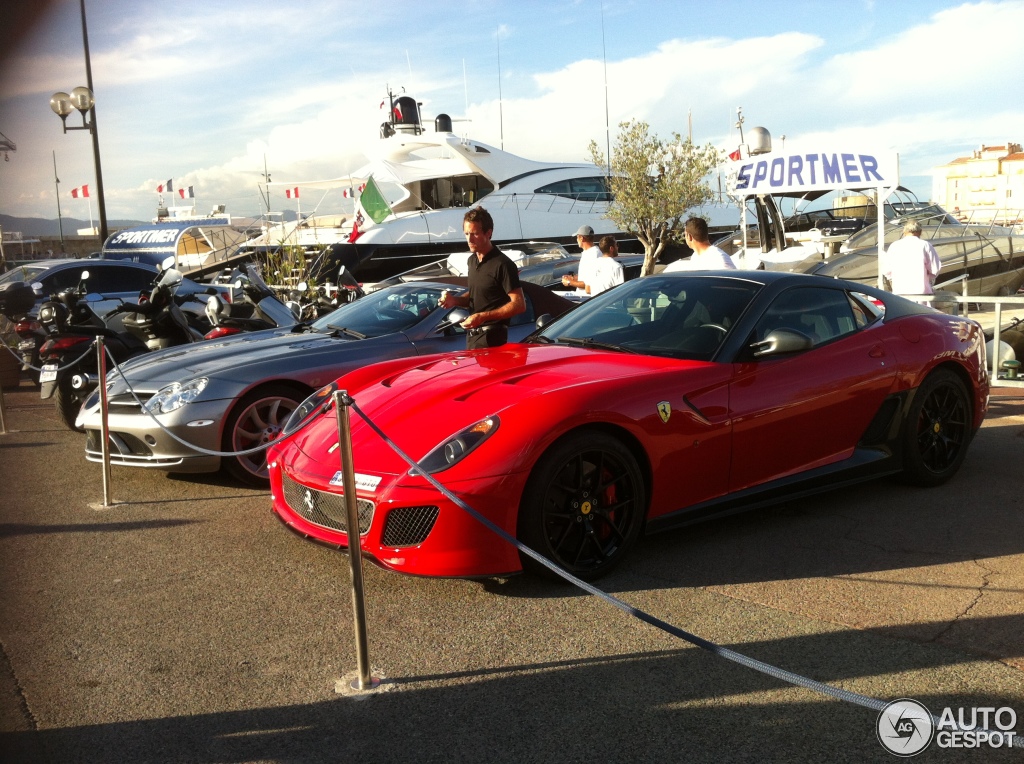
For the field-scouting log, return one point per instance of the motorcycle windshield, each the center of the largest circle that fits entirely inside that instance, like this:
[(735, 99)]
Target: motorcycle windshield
[(170, 278), (256, 280)]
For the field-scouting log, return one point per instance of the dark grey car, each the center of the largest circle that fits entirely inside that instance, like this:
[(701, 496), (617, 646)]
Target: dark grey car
[(236, 393)]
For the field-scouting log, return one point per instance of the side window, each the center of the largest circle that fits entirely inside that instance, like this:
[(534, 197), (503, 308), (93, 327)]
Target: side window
[(119, 279), (821, 314)]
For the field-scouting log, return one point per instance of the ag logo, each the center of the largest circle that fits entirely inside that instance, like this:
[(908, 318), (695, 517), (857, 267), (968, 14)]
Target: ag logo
[(664, 411), (905, 727)]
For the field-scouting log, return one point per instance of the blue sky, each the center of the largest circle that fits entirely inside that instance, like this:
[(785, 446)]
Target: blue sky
[(204, 93)]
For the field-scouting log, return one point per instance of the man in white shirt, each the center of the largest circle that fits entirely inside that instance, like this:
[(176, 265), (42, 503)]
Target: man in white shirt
[(911, 264), (607, 269), (584, 274), (706, 256)]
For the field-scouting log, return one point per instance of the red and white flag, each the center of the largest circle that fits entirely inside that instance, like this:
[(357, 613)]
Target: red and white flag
[(292, 193), (187, 193), (82, 192), (735, 155)]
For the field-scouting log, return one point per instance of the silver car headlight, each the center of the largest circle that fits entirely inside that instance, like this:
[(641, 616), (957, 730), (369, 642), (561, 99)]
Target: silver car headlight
[(459, 446), (176, 395)]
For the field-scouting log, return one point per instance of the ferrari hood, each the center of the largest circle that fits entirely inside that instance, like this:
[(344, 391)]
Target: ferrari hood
[(420, 403)]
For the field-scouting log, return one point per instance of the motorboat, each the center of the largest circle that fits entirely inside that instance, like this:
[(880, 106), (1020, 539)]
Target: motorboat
[(987, 258), (428, 179), (842, 240)]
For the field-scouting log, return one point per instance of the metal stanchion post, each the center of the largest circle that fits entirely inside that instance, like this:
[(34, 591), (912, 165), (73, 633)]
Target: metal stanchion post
[(101, 365), (3, 420), (355, 556)]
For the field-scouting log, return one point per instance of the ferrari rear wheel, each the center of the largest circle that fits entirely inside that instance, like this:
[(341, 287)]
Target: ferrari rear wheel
[(937, 430), (257, 420), (583, 506)]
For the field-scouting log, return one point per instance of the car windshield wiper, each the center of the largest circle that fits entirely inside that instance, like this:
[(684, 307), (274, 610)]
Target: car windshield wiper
[(346, 331), (588, 342)]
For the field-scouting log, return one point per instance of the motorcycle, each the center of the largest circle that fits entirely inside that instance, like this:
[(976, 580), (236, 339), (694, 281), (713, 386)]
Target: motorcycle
[(318, 302), (70, 369), (16, 300), (69, 364), (253, 306)]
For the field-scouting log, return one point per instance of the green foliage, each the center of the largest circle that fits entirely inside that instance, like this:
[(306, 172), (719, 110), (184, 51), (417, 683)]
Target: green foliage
[(286, 267), (655, 182)]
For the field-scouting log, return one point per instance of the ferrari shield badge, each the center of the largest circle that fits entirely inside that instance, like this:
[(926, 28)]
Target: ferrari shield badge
[(664, 411)]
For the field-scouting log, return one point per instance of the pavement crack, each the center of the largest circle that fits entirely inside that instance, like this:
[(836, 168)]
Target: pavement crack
[(7, 671), (986, 575)]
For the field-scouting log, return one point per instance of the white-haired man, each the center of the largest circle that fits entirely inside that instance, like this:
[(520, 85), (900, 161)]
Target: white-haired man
[(911, 264)]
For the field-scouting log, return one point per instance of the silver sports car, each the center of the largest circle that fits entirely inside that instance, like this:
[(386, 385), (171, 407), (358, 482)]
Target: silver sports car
[(234, 394)]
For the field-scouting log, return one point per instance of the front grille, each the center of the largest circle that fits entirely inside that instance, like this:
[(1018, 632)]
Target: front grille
[(324, 508), (121, 443), (407, 526)]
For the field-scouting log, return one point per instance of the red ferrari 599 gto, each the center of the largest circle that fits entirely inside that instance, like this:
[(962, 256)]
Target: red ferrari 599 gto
[(667, 400)]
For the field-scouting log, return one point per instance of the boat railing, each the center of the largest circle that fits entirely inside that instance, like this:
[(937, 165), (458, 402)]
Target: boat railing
[(569, 205)]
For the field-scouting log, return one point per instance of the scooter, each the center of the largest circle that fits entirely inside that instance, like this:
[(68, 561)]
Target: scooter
[(253, 306), (318, 302)]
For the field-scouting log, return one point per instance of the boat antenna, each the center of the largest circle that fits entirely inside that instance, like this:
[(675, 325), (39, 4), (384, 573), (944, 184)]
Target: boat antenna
[(501, 117), (266, 179), (607, 122), (739, 122)]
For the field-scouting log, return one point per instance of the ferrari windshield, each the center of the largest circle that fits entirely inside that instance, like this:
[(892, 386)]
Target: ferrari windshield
[(393, 309), (676, 316)]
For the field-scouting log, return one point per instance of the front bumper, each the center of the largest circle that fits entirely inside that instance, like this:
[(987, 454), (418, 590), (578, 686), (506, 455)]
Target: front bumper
[(137, 441), (411, 529)]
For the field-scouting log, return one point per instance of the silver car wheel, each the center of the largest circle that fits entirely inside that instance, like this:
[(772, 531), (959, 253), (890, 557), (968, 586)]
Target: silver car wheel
[(257, 421)]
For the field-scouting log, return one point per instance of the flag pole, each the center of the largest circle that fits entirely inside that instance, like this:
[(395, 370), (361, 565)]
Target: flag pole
[(56, 185)]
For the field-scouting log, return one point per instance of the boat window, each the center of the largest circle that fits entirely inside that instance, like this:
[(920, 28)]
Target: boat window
[(592, 189), (457, 191)]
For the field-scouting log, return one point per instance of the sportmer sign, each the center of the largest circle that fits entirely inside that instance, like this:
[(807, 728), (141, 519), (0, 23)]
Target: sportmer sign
[(793, 173), (764, 177)]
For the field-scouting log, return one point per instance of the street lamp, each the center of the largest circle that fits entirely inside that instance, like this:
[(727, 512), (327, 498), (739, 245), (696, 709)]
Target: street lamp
[(82, 99)]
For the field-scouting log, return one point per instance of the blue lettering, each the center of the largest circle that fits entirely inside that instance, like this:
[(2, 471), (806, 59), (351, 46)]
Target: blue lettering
[(831, 169), (851, 168), (760, 172), (812, 159), (743, 177), (796, 167), (870, 166), (778, 164)]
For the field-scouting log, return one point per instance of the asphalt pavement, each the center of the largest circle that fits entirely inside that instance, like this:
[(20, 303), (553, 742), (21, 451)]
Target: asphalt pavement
[(185, 623)]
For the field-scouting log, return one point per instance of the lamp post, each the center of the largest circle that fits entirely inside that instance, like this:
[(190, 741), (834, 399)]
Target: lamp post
[(82, 99)]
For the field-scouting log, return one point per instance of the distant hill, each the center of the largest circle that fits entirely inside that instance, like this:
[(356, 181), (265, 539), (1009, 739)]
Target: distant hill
[(32, 227)]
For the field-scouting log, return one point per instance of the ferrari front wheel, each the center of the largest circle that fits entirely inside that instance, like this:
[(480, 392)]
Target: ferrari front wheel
[(937, 430), (583, 506)]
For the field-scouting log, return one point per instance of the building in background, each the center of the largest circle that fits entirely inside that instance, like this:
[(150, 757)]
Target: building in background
[(987, 186)]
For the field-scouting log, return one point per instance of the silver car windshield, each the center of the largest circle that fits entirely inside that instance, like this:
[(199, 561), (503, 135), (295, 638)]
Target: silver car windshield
[(394, 309), (674, 316)]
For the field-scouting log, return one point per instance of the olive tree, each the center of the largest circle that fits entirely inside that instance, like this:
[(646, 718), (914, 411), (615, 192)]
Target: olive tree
[(654, 182)]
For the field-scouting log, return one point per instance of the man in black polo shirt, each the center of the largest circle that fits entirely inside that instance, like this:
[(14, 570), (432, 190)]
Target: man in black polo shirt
[(494, 294)]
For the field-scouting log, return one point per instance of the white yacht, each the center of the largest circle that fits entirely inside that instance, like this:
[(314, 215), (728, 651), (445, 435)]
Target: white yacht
[(429, 179)]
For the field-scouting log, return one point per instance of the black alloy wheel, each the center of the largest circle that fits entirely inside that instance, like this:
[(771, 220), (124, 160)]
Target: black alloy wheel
[(257, 420), (583, 506), (937, 430)]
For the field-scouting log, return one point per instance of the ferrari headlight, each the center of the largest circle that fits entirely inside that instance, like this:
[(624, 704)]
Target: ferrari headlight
[(176, 395), (458, 446)]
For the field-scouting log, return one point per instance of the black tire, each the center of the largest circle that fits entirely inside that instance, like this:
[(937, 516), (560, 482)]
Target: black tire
[(257, 419), (68, 403), (583, 505), (937, 430)]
